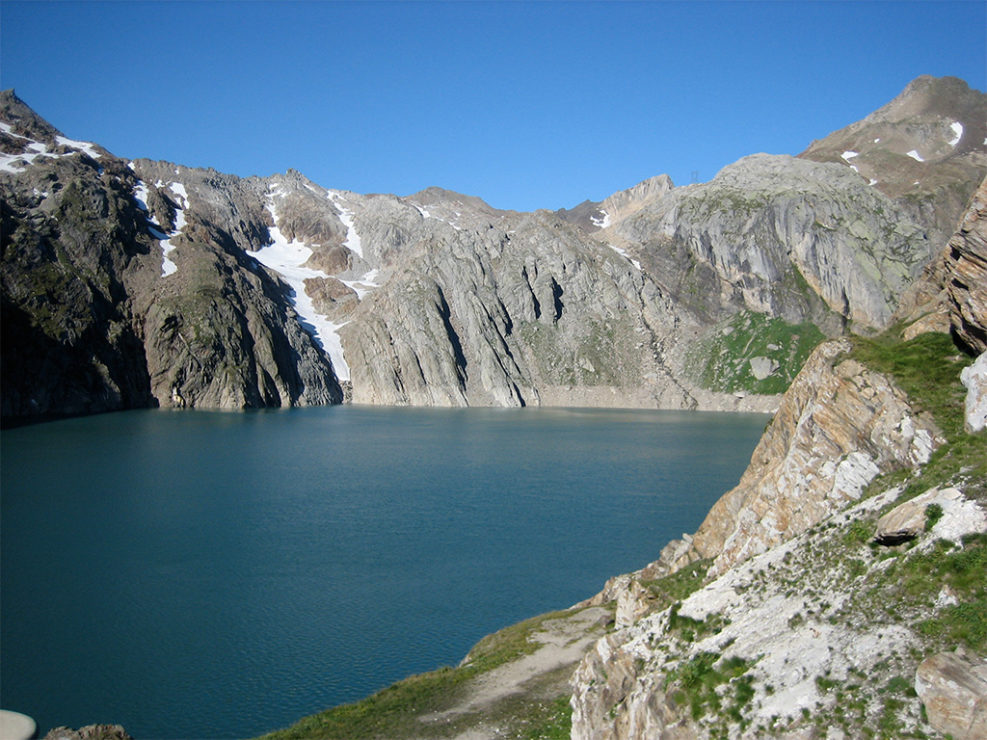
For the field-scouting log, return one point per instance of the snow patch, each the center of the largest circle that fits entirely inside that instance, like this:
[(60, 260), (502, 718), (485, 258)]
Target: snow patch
[(353, 242), (601, 223), (287, 259), (428, 214), (957, 131), (626, 256), (88, 147), (916, 156), (848, 155), (155, 229), (877, 139), (17, 162)]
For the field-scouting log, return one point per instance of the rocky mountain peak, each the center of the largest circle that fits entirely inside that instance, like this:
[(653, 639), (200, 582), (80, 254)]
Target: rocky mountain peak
[(625, 202), (23, 121), (927, 149)]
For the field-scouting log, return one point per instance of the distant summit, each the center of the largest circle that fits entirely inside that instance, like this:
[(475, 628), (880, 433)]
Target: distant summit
[(920, 148)]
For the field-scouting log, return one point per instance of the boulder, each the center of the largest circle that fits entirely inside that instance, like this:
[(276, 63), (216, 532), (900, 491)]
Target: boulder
[(905, 521), (953, 688), (959, 516), (16, 726), (762, 367)]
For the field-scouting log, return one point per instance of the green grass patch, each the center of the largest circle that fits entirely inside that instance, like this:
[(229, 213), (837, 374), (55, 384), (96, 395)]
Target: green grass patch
[(933, 513), (918, 578), (695, 683), (927, 368), (689, 629), (556, 725), (394, 712), (722, 361), (680, 584), (388, 713), (509, 643)]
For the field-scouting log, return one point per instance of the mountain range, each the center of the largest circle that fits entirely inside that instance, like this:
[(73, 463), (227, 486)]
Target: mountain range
[(136, 283)]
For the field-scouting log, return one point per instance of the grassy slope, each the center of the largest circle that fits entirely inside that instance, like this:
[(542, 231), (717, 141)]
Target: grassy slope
[(721, 361), (402, 709)]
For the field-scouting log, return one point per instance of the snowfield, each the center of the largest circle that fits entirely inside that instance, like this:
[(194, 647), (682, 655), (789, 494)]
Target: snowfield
[(140, 195), (287, 259)]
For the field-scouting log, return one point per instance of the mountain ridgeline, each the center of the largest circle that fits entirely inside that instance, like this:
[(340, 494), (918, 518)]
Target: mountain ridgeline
[(139, 283)]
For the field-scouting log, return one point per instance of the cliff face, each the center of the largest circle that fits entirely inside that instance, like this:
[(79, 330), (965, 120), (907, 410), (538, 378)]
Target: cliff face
[(966, 267), (781, 236), (838, 426), (820, 596)]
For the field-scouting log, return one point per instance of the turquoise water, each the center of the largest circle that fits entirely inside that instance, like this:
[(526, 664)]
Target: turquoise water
[(219, 575)]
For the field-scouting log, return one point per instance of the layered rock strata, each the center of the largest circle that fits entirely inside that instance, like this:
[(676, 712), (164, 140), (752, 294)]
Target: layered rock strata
[(966, 266)]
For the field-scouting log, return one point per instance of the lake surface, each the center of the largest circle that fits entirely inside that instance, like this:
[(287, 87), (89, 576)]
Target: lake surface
[(219, 575)]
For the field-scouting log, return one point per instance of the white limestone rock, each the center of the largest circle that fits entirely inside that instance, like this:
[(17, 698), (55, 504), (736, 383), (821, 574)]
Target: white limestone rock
[(974, 378)]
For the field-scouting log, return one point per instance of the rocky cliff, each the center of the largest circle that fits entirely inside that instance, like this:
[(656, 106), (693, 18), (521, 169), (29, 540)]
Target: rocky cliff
[(839, 589), (145, 283), (96, 314)]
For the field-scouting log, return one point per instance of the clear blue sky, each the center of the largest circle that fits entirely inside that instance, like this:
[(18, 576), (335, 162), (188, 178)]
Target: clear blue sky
[(527, 105)]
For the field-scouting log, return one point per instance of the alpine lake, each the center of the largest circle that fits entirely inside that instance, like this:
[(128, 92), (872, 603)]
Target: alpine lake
[(219, 575)]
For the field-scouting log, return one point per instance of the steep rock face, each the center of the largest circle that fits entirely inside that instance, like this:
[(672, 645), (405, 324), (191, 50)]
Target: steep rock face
[(838, 426), (74, 250), (509, 309), (219, 332), (775, 235), (925, 149), (966, 273), (98, 315)]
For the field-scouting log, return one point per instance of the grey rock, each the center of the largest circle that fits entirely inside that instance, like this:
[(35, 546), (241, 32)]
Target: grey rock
[(908, 520), (763, 367), (776, 234)]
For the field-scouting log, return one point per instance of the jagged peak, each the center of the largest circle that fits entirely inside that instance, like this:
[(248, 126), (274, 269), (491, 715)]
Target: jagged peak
[(23, 119), (434, 195), (933, 118), (623, 203)]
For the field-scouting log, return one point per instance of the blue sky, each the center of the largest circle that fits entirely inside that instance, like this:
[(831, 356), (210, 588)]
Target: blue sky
[(527, 105)]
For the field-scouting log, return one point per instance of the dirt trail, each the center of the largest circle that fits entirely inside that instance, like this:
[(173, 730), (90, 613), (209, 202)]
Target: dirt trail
[(563, 642)]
